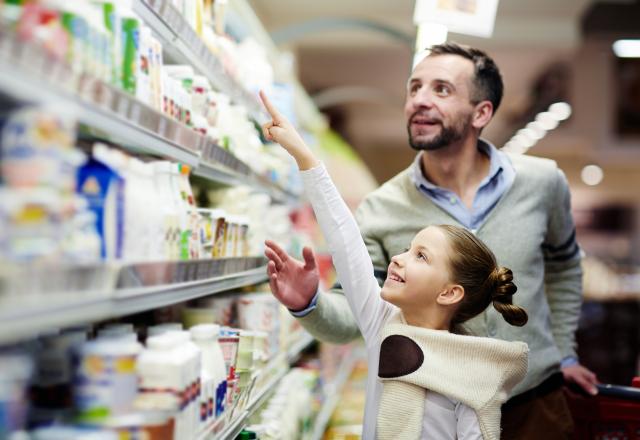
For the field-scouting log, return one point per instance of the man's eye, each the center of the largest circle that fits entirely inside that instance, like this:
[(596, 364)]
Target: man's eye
[(442, 90), (414, 89)]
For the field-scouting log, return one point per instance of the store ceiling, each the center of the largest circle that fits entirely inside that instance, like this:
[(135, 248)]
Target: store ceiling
[(354, 57)]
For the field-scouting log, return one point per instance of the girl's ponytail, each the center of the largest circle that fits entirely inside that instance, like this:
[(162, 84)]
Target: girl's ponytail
[(503, 289)]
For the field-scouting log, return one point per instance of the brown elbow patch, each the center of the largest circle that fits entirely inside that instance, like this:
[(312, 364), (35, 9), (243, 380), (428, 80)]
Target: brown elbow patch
[(399, 356)]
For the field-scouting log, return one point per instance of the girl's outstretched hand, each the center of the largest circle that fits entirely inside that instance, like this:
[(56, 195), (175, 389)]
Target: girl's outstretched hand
[(282, 131), (294, 283)]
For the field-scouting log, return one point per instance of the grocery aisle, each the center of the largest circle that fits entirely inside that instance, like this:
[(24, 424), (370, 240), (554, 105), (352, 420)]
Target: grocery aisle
[(136, 195)]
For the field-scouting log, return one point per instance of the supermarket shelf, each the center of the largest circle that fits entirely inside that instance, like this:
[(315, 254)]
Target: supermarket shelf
[(220, 174), (184, 46), (112, 114), (281, 364), (120, 291), (333, 391), (307, 112)]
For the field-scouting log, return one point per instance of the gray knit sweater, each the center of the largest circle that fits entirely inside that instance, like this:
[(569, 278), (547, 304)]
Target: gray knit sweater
[(530, 230)]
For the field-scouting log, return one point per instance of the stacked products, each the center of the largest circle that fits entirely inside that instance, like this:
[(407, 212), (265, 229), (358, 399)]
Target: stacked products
[(107, 41), (178, 384)]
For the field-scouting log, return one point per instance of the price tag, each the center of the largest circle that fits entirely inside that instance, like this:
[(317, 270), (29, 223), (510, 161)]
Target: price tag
[(134, 114), (122, 105), (162, 127), (204, 53), (161, 7)]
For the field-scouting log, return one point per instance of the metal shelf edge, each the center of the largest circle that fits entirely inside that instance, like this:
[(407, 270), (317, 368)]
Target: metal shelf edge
[(119, 303), (238, 424)]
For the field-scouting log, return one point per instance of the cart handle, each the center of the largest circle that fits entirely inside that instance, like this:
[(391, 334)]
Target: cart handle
[(619, 391)]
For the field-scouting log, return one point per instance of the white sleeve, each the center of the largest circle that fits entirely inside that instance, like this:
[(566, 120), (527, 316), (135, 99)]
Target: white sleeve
[(350, 257), (467, 425)]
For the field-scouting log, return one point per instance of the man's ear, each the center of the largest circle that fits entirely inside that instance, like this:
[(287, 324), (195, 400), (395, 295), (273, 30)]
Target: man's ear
[(482, 114), (453, 294)]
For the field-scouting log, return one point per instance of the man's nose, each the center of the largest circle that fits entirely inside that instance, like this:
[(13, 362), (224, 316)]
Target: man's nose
[(421, 99)]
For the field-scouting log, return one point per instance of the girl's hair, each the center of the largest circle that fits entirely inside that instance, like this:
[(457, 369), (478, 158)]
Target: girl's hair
[(474, 267)]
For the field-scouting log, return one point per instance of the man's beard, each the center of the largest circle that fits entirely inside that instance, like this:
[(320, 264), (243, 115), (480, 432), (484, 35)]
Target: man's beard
[(447, 135)]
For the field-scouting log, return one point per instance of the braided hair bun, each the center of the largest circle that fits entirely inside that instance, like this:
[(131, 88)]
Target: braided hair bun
[(503, 290)]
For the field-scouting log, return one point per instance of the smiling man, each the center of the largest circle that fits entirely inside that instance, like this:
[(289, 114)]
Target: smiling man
[(518, 205)]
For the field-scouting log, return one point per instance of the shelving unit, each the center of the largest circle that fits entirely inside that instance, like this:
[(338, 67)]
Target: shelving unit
[(107, 111), (119, 291), (279, 367), (76, 295), (110, 114), (182, 45)]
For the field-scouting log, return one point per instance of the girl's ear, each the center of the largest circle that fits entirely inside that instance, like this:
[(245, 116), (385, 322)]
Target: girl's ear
[(453, 294)]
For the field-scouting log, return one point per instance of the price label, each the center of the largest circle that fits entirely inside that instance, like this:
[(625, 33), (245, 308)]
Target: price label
[(122, 105), (205, 54), (135, 112), (161, 7), (162, 127)]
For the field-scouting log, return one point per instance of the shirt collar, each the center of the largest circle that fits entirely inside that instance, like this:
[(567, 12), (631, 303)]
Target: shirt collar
[(496, 165)]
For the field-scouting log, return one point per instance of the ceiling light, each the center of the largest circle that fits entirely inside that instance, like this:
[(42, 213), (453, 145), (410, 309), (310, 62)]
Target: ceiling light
[(531, 134), (547, 120), (560, 110), (592, 175), (536, 129), (515, 147), (524, 140), (627, 48)]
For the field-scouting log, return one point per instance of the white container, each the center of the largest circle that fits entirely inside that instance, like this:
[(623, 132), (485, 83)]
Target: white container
[(159, 329), (200, 95), (205, 336), (186, 350), (222, 308), (261, 312), (151, 214), (160, 379), (122, 330), (183, 215), (105, 379), (169, 209)]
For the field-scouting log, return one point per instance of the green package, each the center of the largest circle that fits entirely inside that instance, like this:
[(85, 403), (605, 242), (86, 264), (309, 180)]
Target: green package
[(131, 45)]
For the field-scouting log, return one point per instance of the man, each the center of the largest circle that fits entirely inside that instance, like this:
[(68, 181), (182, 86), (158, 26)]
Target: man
[(518, 205)]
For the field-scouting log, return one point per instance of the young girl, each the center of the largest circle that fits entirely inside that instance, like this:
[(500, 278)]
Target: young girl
[(426, 379)]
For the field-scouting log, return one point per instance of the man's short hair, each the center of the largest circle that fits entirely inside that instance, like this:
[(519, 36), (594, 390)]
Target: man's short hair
[(487, 79)]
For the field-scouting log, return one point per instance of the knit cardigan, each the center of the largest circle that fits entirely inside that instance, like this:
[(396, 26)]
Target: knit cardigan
[(478, 372)]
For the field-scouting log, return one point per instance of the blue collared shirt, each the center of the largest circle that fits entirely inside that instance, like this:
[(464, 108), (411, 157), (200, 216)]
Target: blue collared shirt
[(499, 179)]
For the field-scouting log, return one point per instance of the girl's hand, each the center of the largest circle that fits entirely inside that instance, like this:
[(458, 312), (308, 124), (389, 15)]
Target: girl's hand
[(281, 131), (294, 283)]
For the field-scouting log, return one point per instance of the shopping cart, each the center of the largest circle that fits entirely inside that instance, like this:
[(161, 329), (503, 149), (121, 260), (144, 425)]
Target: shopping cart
[(614, 414)]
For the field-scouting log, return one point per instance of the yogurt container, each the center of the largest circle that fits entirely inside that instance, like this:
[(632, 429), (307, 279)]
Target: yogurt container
[(105, 380)]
